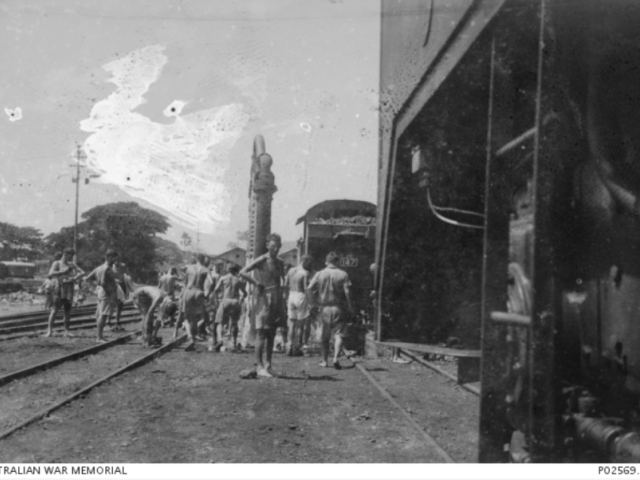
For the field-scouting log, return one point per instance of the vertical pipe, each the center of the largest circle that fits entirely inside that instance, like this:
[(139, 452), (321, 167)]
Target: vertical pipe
[(494, 270), (542, 375)]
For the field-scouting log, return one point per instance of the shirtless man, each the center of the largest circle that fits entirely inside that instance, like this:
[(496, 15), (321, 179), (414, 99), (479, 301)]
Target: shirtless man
[(298, 311), (230, 307), (269, 272), (107, 291), (213, 300), (333, 288), (192, 306), (120, 270), (147, 300), (167, 284), (65, 273)]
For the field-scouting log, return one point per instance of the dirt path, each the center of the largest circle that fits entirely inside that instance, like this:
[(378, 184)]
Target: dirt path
[(193, 407)]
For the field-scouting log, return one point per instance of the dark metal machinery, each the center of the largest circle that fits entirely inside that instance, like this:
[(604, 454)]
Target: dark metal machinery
[(528, 108)]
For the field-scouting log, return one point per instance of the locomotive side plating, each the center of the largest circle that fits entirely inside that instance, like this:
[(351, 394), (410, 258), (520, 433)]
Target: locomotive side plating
[(533, 107)]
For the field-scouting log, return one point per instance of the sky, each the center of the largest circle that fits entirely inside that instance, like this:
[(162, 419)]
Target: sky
[(165, 97)]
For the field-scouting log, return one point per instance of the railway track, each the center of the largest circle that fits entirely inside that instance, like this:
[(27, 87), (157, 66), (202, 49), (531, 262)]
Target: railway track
[(399, 398), (83, 317), (429, 440), (16, 316), (76, 311), (471, 388), (50, 384), (391, 396)]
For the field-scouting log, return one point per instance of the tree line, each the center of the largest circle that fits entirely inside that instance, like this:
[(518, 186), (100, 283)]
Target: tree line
[(124, 226)]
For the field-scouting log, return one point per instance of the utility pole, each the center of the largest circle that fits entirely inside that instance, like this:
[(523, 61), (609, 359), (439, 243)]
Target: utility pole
[(79, 156)]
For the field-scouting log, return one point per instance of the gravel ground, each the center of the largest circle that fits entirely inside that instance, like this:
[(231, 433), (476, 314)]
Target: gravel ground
[(193, 407)]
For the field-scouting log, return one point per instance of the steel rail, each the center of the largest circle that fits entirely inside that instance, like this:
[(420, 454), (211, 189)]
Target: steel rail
[(83, 391), (25, 372), (16, 316), (434, 367), (31, 323), (11, 316), (44, 315), (76, 321), (89, 307), (429, 439), (36, 333)]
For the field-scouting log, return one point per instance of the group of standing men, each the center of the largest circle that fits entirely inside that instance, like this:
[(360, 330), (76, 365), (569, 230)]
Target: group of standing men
[(282, 299), (113, 285), (331, 286)]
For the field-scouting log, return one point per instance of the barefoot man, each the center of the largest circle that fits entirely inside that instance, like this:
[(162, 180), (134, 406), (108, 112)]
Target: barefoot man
[(107, 291), (298, 311), (269, 272), (65, 273), (192, 307), (333, 287), (147, 300), (230, 307)]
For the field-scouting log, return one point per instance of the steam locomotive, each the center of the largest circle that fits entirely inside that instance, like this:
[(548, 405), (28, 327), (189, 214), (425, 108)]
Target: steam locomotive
[(509, 212)]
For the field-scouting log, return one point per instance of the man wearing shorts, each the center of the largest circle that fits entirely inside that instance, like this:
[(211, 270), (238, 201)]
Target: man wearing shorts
[(167, 284), (270, 312), (213, 299), (192, 300), (107, 291), (147, 300), (120, 270), (65, 273), (298, 312), (230, 285), (333, 289)]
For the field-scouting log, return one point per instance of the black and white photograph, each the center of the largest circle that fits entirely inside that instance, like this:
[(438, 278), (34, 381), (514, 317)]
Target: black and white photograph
[(292, 233)]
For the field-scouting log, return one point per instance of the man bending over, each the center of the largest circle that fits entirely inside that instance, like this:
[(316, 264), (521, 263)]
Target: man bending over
[(147, 300)]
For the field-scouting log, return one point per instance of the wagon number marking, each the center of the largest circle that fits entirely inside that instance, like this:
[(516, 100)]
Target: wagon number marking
[(348, 261)]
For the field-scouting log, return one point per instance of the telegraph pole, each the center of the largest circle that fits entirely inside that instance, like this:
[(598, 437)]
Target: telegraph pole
[(79, 156)]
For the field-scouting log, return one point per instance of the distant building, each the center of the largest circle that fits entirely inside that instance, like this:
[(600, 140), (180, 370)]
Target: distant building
[(236, 255)]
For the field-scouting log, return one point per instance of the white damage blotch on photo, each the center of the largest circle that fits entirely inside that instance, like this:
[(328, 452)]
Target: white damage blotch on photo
[(177, 166), (14, 114)]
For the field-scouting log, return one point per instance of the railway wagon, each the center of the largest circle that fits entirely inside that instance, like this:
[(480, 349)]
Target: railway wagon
[(13, 273), (510, 183), (17, 270), (348, 228)]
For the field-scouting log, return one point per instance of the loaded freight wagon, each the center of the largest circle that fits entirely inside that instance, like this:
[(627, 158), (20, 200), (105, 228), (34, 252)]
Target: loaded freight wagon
[(347, 227)]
